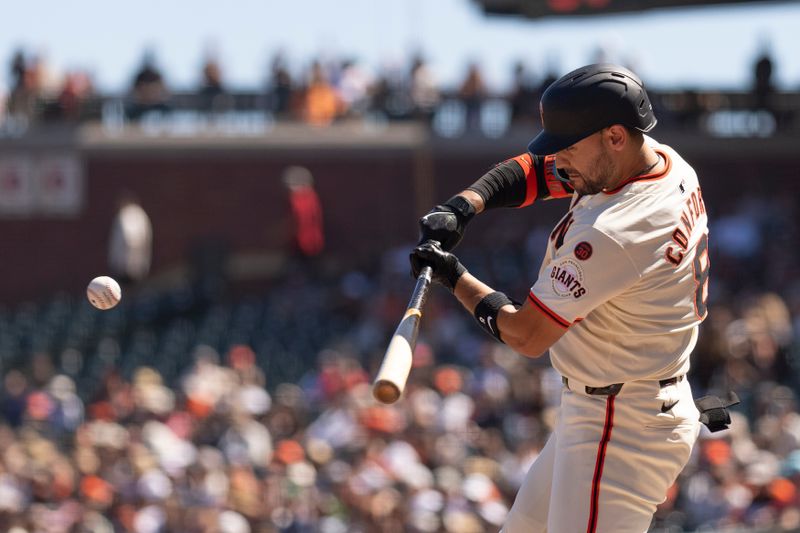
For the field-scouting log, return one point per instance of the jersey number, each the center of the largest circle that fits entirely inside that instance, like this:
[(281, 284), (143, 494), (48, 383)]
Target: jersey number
[(701, 272)]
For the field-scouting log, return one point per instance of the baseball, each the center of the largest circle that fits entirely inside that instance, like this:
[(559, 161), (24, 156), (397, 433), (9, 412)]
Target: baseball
[(103, 292)]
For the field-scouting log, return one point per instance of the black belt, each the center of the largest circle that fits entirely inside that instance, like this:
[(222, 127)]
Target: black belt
[(613, 390)]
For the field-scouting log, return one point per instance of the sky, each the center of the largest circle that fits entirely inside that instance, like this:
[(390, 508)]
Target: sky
[(698, 47)]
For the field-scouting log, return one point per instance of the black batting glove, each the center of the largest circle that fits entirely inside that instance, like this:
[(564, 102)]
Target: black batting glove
[(446, 223), (447, 269)]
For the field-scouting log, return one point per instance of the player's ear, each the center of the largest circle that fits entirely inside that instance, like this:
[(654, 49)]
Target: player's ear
[(615, 137)]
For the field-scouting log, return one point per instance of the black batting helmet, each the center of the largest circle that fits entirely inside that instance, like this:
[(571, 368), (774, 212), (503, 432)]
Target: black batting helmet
[(587, 100)]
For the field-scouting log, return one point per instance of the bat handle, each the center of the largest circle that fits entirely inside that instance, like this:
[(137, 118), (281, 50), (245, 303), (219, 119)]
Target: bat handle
[(420, 293)]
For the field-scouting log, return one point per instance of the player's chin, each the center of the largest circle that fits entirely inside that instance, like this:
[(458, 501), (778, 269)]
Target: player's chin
[(577, 182)]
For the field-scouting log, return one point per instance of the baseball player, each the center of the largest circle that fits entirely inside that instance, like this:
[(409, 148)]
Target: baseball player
[(617, 302)]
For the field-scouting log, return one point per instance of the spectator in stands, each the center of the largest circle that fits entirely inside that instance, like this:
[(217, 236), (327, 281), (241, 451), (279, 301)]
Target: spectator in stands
[(213, 95), (524, 97), (19, 67), (763, 87), (149, 91), (473, 92), (14, 394), (76, 91), (34, 84), (131, 241), (307, 229), (352, 86), (280, 88), (424, 89), (321, 104), (23, 99), (390, 93)]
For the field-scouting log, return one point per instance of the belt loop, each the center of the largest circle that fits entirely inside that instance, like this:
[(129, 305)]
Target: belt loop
[(671, 381)]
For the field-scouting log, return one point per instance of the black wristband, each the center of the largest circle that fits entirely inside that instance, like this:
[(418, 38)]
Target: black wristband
[(486, 312), (456, 274), (462, 208)]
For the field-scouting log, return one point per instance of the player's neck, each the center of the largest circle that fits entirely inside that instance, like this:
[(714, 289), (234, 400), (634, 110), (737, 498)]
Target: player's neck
[(643, 161)]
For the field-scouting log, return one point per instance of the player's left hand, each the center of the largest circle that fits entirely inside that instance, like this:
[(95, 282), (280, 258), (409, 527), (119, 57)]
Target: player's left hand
[(447, 269), (446, 223)]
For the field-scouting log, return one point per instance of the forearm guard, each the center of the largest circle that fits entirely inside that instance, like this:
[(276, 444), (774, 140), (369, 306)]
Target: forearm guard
[(502, 186)]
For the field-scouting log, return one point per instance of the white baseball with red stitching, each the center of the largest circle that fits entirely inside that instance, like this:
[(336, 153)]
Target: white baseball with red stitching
[(103, 292)]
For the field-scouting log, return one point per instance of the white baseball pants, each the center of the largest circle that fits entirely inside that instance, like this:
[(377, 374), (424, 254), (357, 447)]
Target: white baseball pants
[(609, 462)]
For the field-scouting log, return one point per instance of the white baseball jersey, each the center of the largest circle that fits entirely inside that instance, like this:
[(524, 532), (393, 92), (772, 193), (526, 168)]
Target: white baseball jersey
[(626, 271)]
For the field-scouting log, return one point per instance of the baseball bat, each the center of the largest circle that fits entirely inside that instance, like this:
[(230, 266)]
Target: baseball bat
[(393, 374)]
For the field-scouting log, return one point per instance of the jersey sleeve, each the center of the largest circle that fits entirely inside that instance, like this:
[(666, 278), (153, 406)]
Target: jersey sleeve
[(588, 269), (520, 181)]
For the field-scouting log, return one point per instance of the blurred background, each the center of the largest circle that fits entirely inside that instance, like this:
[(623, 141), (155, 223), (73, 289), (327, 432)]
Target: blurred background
[(252, 174)]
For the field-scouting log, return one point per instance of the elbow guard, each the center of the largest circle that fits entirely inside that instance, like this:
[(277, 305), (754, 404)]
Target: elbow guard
[(521, 180)]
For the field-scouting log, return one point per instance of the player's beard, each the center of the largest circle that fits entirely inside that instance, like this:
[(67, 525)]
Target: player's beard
[(602, 175)]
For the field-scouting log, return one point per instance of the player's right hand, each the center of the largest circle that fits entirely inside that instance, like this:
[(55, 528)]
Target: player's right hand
[(446, 223), (446, 267)]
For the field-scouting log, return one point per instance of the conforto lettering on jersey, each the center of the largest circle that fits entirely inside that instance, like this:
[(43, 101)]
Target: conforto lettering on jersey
[(567, 279), (694, 209)]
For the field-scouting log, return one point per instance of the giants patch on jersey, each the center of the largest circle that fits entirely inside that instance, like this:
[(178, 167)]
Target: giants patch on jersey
[(566, 278)]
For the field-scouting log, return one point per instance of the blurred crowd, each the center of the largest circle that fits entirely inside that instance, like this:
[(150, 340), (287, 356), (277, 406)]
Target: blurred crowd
[(335, 89), (183, 413)]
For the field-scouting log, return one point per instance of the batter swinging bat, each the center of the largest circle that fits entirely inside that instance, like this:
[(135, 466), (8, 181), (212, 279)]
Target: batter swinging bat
[(393, 374)]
